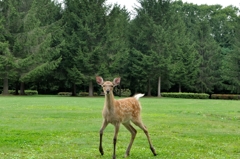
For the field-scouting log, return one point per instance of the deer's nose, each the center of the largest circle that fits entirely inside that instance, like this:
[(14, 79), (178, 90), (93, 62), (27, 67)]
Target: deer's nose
[(107, 91)]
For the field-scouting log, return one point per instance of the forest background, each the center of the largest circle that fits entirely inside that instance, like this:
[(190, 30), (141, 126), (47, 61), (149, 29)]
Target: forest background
[(167, 46)]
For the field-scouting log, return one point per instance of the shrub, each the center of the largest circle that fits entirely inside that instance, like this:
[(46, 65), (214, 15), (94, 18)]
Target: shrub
[(13, 92), (125, 92), (186, 95), (31, 92), (84, 94), (225, 96), (27, 92), (65, 93)]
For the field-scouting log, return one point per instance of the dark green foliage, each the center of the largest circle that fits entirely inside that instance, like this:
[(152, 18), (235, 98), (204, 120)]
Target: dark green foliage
[(231, 63), (85, 33), (31, 41), (186, 95), (208, 59), (123, 92), (6, 58), (6, 65), (150, 37), (167, 45), (185, 57)]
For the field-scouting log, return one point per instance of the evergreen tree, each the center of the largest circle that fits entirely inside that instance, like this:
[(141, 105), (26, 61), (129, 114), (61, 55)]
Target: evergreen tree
[(9, 25), (156, 37), (209, 53), (29, 41), (197, 21), (115, 61), (85, 38), (6, 64), (50, 14), (32, 48), (231, 72), (185, 57)]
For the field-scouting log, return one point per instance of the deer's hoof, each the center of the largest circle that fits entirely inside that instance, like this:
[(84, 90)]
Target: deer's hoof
[(153, 151), (101, 151)]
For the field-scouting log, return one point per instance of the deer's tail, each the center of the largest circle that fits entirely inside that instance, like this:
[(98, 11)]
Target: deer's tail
[(137, 96)]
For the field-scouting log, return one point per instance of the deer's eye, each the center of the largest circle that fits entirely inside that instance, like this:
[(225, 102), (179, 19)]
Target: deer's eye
[(103, 85)]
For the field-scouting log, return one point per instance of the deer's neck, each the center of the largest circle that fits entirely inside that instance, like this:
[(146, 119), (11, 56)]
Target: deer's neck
[(109, 101)]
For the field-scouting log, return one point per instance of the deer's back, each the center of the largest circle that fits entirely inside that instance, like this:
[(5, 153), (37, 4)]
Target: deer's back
[(127, 109)]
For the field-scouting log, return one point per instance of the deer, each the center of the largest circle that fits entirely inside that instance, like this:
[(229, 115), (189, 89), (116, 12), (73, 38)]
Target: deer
[(122, 111)]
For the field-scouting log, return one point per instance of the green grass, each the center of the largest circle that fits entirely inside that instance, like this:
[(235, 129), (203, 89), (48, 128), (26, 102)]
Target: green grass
[(43, 127)]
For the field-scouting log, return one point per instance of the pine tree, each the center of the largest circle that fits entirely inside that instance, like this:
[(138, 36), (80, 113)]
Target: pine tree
[(231, 72), (32, 48), (6, 64), (197, 19), (30, 42), (209, 51), (8, 24), (156, 37), (85, 38), (115, 61), (185, 57), (50, 14)]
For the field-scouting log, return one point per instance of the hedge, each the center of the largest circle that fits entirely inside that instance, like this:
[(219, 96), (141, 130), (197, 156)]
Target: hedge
[(225, 96), (84, 94), (65, 93), (125, 92), (27, 92), (186, 95)]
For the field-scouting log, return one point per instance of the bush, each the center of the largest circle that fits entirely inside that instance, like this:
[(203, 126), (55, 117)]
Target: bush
[(31, 92), (84, 94), (186, 95), (13, 92), (27, 92), (65, 93), (225, 96), (125, 92)]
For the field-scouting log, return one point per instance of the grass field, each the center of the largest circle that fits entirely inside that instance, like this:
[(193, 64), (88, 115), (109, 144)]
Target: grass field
[(44, 127)]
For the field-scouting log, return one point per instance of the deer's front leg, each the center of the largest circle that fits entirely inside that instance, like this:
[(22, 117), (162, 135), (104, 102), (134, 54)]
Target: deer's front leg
[(115, 140), (104, 125)]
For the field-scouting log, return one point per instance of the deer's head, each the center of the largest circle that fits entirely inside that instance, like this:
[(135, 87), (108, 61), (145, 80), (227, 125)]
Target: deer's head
[(108, 85)]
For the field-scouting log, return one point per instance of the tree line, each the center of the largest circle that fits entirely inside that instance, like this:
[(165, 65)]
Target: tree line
[(166, 46)]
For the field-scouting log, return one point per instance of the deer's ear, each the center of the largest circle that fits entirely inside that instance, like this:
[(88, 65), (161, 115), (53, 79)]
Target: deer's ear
[(116, 81), (99, 80)]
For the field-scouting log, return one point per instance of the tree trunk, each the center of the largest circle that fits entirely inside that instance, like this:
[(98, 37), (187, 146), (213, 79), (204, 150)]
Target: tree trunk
[(179, 88), (16, 88), (132, 87), (90, 91), (149, 88), (22, 89), (159, 86), (5, 85), (74, 90)]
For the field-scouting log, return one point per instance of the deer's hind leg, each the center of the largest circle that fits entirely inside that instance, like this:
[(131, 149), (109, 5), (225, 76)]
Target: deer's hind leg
[(140, 124), (133, 132)]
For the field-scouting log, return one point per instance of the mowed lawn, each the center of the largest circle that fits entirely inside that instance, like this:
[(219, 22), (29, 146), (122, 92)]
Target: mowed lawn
[(44, 127)]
